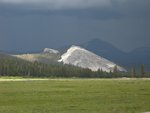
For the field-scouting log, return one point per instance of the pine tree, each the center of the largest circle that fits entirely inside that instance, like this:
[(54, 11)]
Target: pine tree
[(115, 69), (133, 72), (142, 70)]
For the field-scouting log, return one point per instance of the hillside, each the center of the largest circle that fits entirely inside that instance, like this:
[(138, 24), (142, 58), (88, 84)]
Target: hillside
[(48, 56)]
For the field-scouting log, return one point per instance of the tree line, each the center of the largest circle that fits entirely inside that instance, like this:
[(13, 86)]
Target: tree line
[(18, 67), (135, 73)]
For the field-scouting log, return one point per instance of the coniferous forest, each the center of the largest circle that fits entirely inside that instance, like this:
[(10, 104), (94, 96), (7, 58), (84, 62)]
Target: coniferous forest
[(11, 66)]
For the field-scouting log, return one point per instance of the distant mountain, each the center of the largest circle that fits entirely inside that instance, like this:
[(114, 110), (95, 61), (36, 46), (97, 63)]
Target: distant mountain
[(105, 50), (134, 58), (80, 57)]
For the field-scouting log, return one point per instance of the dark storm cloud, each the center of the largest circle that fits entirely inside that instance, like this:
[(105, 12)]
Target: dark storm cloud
[(59, 4), (101, 9), (35, 24)]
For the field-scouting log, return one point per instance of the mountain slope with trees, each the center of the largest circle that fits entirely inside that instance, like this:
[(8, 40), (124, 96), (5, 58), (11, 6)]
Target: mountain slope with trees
[(12, 66)]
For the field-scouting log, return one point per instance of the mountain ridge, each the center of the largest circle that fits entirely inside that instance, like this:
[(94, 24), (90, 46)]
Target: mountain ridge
[(50, 56), (135, 57), (107, 50)]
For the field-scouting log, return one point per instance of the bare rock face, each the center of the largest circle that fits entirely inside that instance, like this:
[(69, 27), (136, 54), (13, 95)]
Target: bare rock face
[(48, 50), (81, 57)]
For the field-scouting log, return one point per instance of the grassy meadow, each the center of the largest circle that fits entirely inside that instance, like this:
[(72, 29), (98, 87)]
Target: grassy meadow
[(75, 96)]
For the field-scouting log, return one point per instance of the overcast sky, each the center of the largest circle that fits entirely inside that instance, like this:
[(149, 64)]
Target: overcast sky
[(31, 25)]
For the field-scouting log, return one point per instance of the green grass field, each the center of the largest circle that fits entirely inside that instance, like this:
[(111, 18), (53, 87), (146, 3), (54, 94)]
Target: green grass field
[(75, 96)]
